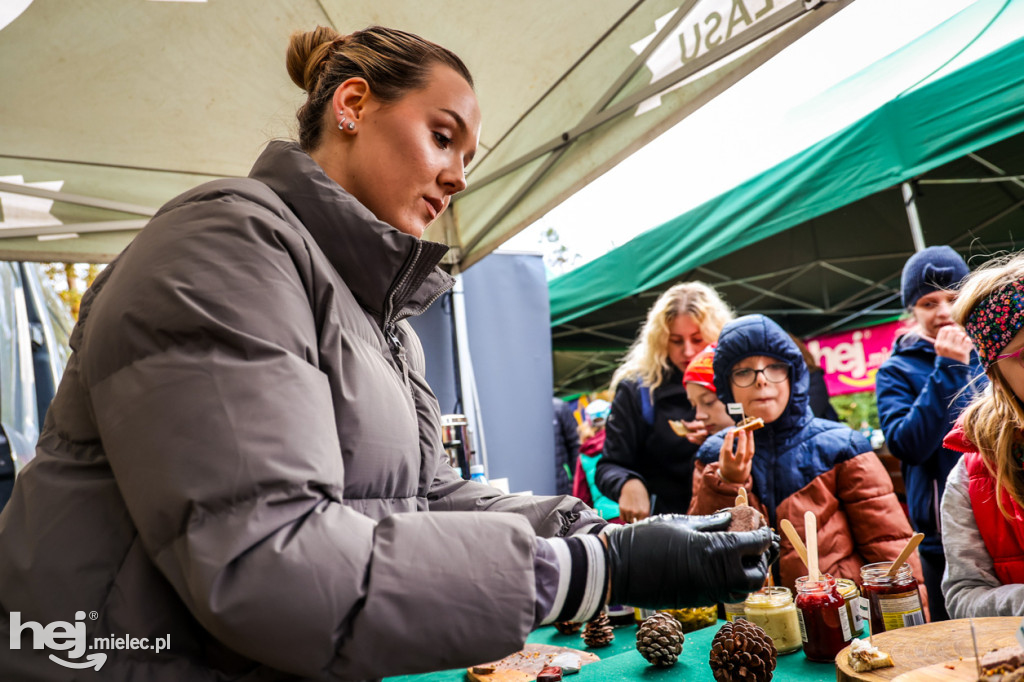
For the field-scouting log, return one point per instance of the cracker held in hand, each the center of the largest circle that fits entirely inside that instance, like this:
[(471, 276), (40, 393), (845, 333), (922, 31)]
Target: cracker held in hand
[(678, 427), (750, 424)]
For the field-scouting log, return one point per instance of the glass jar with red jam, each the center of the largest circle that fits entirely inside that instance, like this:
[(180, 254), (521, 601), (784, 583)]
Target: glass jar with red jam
[(824, 625), (893, 602)]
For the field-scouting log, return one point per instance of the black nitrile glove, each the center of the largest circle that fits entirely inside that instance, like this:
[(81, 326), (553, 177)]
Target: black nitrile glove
[(679, 561)]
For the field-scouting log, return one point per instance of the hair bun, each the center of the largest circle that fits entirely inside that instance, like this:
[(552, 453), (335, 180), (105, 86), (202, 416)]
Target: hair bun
[(307, 51)]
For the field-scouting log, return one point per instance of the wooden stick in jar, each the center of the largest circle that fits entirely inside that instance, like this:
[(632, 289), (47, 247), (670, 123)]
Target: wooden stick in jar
[(794, 537), (912, 544), (811, 532)]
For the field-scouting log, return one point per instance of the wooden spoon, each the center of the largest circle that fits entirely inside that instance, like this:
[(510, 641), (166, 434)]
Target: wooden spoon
[(794, 537), (912, 544), (741, 498), (811, 532)]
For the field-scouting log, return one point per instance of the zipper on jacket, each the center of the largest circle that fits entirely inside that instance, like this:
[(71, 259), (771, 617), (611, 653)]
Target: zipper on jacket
[(398, 350), (390, 333), (399, 285)]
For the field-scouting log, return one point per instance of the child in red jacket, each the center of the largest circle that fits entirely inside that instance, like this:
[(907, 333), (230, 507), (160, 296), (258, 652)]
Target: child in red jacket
[(983, 507)]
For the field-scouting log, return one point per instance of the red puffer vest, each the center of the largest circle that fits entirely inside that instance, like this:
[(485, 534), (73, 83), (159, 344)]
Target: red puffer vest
[(1003, 537)]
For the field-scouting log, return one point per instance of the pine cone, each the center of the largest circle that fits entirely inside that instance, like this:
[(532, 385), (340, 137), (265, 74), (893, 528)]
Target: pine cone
[(742, 652), (598, 632), (659, 639), (567, 627)]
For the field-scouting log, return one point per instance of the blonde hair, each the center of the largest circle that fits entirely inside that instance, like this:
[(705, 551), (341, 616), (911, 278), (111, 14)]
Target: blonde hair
[(392, 62), (647, 360), (994, 417)]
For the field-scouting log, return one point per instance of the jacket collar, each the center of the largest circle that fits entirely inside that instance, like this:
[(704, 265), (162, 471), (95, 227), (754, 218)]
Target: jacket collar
[(913, 342), (956, 439), (391, 274)]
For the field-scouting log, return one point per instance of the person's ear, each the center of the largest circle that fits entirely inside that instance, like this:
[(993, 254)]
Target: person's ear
[(350, 102)]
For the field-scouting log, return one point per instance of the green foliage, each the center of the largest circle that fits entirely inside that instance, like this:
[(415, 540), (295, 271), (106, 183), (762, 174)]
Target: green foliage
[(856, 408)]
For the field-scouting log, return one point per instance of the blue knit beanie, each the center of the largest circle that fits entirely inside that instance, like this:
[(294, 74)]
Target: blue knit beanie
[(934, 268)]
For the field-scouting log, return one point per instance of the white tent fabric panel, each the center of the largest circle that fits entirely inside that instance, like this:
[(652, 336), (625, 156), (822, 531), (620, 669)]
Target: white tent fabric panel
[(137, 101)]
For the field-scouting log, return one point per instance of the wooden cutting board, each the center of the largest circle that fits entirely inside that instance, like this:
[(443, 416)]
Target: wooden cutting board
[(926, 650), (950, 671), (523, 666)]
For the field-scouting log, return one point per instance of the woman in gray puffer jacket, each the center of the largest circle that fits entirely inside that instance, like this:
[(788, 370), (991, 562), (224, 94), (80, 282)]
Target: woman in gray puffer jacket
[(231, 479)]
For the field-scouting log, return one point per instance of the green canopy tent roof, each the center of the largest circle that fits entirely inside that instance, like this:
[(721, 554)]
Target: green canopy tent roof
[(819, 240), (125, 104)]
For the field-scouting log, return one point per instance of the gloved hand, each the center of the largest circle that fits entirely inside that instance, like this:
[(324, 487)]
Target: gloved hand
[(677, 561)]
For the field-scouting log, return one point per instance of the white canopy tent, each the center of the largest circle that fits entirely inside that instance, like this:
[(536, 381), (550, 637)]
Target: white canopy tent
[(109, 108)]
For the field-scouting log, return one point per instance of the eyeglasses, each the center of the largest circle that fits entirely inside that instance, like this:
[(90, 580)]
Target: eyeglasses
[(775, 373), (1015, 354)]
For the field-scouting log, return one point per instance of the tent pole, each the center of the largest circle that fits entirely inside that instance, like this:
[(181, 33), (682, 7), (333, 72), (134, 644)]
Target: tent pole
[(912, 217), (467, 380)]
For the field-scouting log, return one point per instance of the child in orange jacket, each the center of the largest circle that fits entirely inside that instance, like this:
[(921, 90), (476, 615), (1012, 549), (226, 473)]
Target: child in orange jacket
[(797, 462)]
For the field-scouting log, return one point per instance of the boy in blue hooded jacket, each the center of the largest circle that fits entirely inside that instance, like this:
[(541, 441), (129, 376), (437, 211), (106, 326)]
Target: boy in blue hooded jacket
[(797, 462), (921, 392)]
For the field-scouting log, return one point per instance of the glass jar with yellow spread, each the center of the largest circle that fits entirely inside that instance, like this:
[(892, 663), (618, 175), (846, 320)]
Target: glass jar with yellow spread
[(772, 609), (850, 593), (695, 618), (733, 611)]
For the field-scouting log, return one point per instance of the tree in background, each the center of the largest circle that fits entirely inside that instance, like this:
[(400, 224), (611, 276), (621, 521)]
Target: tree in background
[(557, 256), (70, 280), (857, 409)]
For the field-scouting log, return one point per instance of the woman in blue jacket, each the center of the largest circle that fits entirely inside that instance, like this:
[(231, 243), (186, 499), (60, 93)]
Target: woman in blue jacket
[(921, 391)]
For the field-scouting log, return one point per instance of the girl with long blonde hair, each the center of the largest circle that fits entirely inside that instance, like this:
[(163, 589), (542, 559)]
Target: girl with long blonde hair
[(646, 462), (983, 507)]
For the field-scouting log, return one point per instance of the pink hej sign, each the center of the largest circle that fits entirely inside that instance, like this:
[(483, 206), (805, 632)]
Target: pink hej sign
[(852, 358)]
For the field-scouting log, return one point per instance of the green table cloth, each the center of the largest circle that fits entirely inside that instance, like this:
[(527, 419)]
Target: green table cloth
[(621, 661)]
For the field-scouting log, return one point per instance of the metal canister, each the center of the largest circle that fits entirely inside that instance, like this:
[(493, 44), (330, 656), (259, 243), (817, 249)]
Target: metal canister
[(850, 593), (455, 439)]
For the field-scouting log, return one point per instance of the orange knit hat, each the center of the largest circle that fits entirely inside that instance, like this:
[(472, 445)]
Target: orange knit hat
[(699, 370)]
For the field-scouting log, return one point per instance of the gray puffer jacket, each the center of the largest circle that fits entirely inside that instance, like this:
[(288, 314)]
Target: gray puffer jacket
[(239, 453)]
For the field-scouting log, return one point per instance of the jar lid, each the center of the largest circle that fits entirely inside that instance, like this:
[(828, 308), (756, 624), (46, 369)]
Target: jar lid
[(805, 584), (847, 588), (878, 574), (770, 597)]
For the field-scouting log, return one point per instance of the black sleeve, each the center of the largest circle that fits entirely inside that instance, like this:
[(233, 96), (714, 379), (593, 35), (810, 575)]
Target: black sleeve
[(817, 396), (570, 435), (624, 438)]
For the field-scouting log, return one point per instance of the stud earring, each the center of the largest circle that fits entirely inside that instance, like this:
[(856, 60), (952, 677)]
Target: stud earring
[(351, 125)]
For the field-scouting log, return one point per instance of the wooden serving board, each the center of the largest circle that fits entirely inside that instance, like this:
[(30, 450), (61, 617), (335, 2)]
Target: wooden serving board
[(965, 670), (523, 666), (926, 650)]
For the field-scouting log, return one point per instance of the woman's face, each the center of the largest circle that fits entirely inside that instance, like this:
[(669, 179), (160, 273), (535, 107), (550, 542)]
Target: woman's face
[(763, 398), (934, 311), (1012, 369), (684, 341), (710, 409), (406, 159)]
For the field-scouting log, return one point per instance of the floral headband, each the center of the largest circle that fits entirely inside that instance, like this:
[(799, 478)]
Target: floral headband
[(996, 320)]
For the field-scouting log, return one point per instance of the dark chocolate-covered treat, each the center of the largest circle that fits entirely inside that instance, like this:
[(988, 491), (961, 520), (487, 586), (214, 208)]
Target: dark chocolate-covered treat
[(1003, 664)]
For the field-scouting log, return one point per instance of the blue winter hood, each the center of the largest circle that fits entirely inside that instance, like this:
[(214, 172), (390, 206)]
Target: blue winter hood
[(759, 335)]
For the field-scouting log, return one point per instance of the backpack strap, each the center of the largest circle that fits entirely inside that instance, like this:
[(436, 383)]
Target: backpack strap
[(647, 404)]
